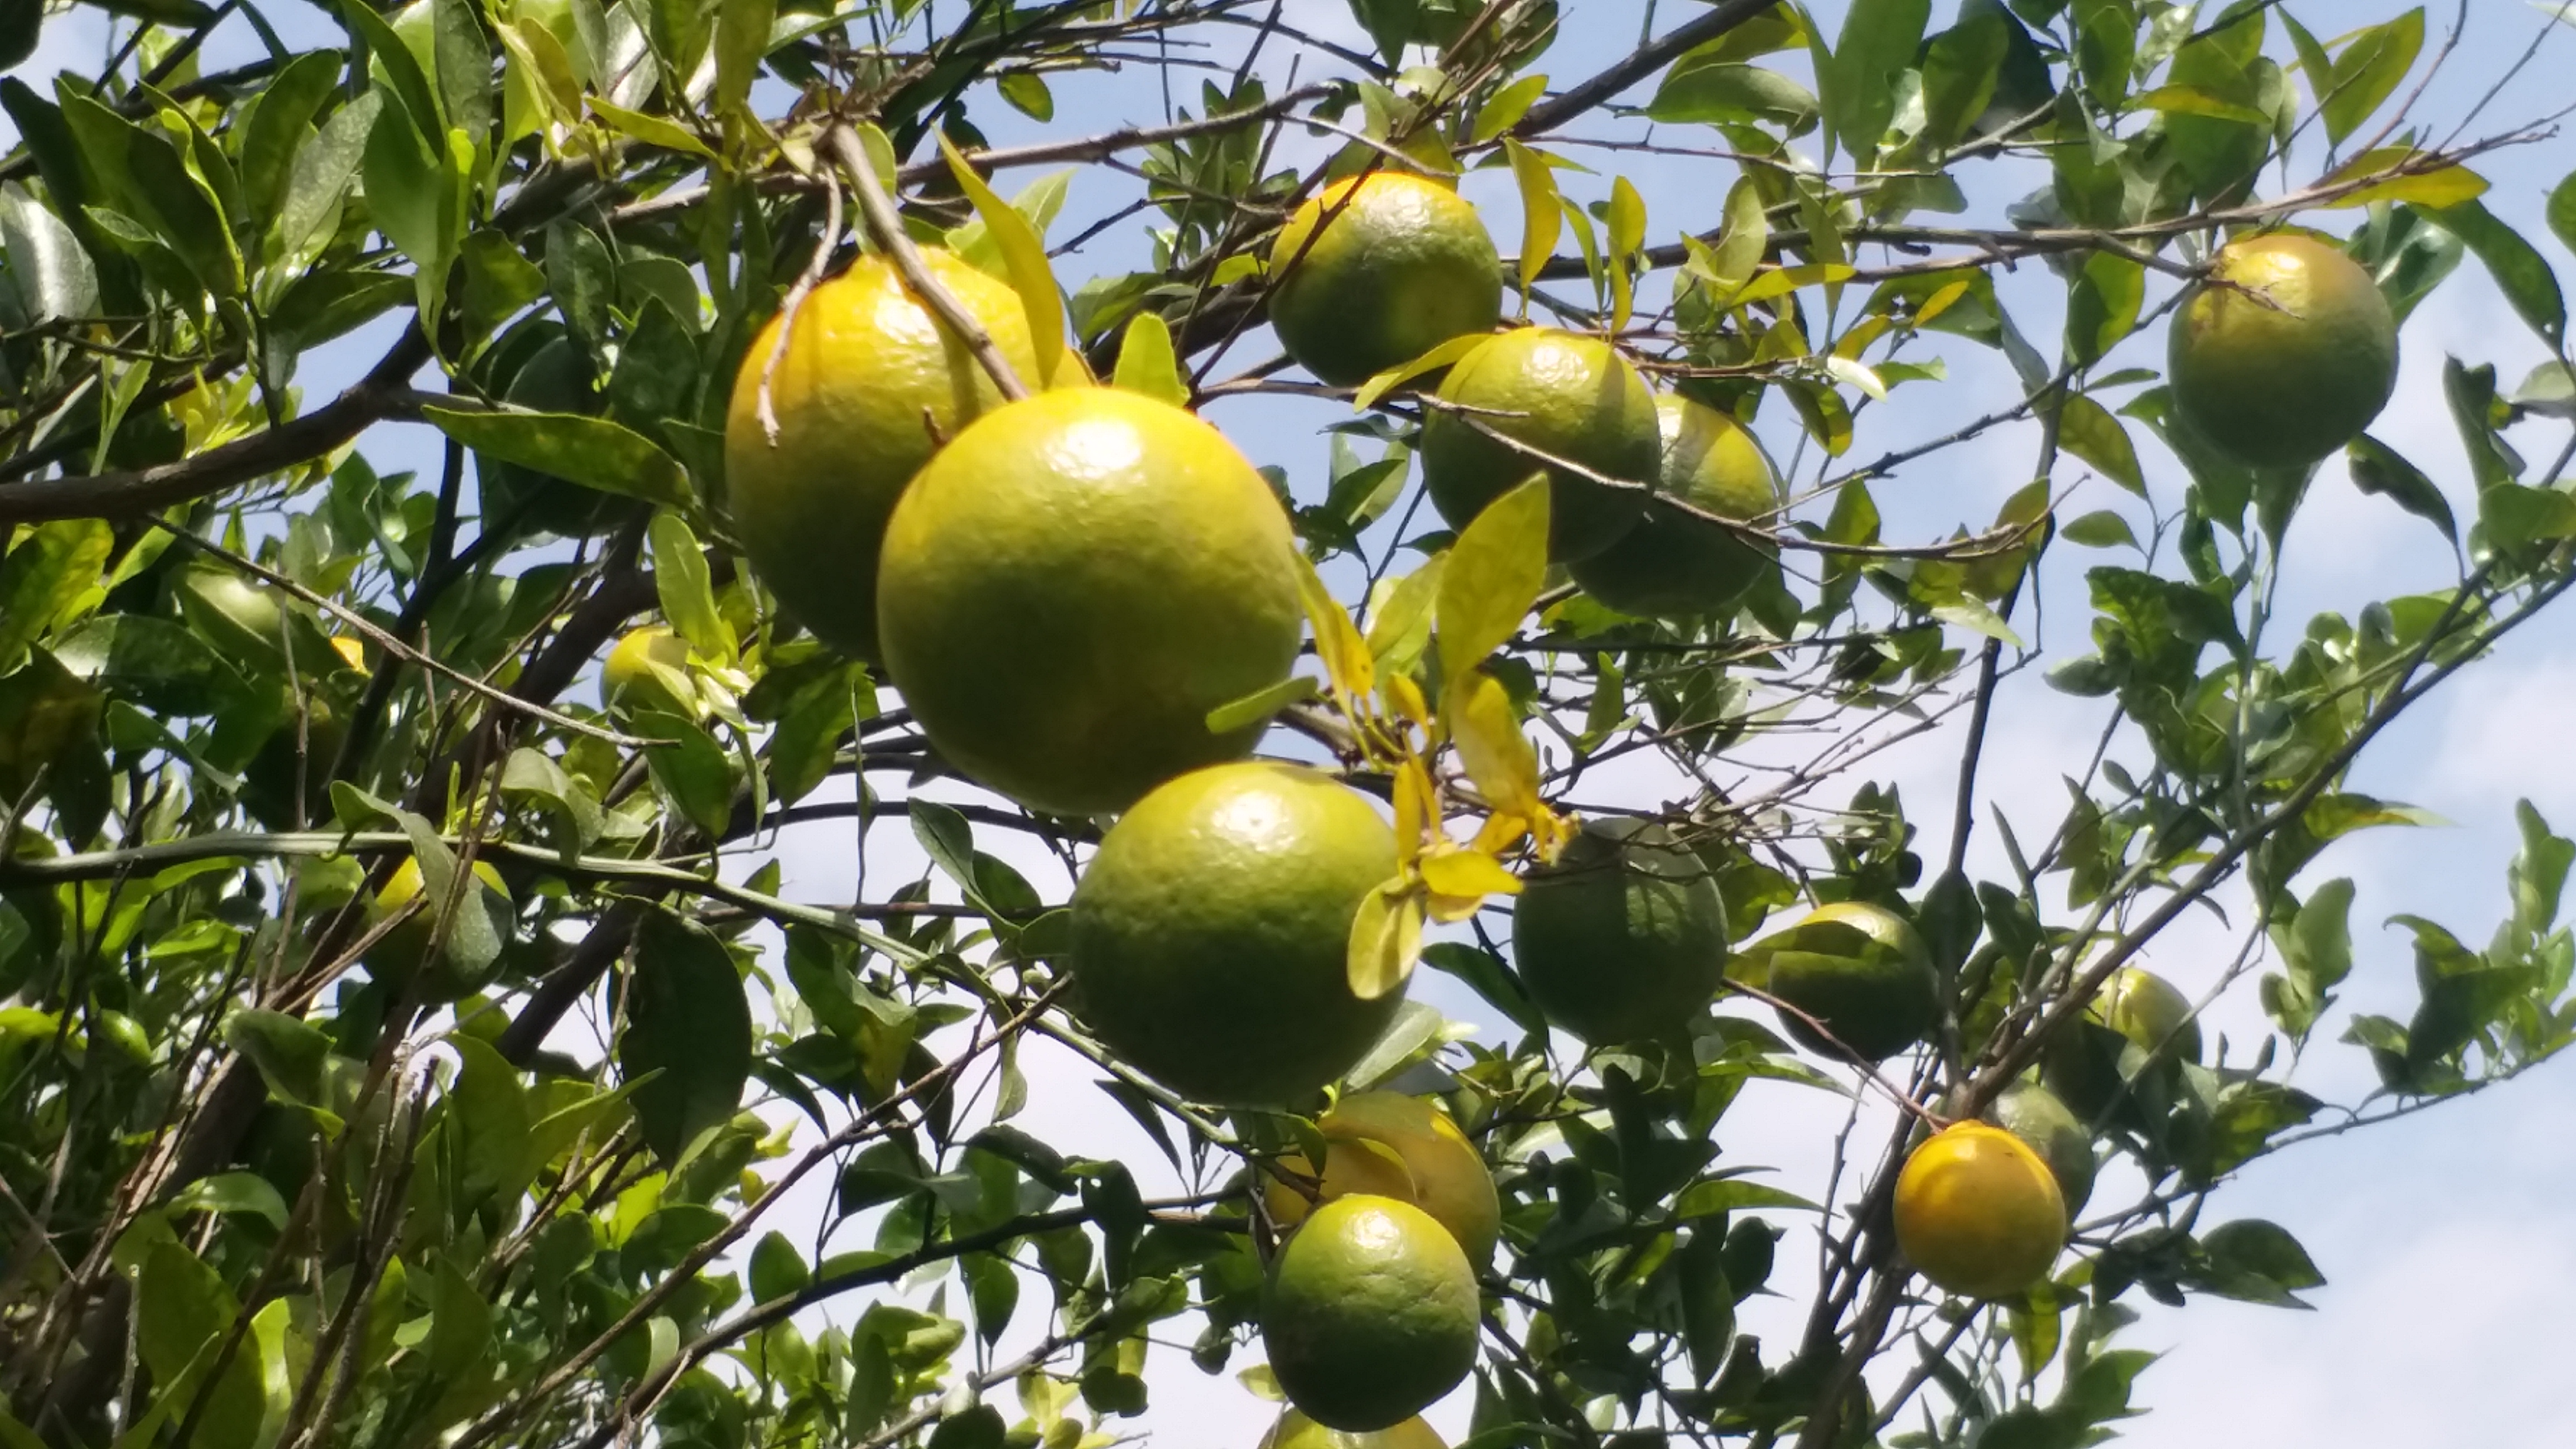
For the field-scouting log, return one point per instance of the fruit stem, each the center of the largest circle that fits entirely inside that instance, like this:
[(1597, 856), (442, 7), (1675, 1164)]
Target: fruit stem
[(885, 229), (796, 295)]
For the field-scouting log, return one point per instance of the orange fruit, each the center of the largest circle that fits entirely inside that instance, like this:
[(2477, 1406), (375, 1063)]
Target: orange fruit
[(1859, 969), (1674, 565), (1978, 1213), (869, 387), (1370, 1314), (410, 948), (1624, 937), (633, 678), (1387, 1144), (1566, 395), (2147, 1011), (1376, 270), (2285, 354), (1210, 935), (2034, 1114), (1073, 584), (1295, 1431)]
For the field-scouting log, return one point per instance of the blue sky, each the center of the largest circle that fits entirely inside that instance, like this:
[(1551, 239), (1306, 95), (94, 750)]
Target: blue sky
[(2446, 1237)]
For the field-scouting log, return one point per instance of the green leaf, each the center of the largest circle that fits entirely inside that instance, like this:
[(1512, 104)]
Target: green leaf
[(1025, 254), (692, 769), (1488, 977), (413, 100), (2562, 211), (1960, 69), (1261, 705), (233, 1192), (2378, 468), (2101, 529), (1146, 363), (53, 277), (1741, 244), (2367, 72), (2520, 271), (2257, 1262), (1729, 93), (498, 282), (1394, 377), (1027, 92), (49, 580), (650, 129), (2442, 186), (464, 62), (1504, 108), (2103, 305), (1386, 940), (2512, 515), (460, 1324), (1542, 213), (688, 1024), (777, 1269), (279, 128), (686, 590), (2087, 429), (1878, 44), (1734, 1194), (288, 1052), (742, 39), (1493, 575), (592, 452)]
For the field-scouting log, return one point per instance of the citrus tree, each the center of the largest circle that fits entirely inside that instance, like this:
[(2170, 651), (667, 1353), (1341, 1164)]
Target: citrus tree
[(496, 490)]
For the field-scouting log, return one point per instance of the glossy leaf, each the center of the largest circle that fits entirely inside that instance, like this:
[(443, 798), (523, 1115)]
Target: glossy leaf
[(592, 452), (1025, 255), (1542, 213), (687, 1043), (1145, 362), (1493, 575)]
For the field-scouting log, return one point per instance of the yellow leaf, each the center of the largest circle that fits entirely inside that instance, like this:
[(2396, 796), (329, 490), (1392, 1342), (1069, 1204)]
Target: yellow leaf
[(1741, 243), (1497, 756), (1337, 639), (1505, 107), (1493, 575), (1417, 809), (1541, 216), (651, 130), (1500, 832), (1457, 871), (1025, 254), (1780, 281), (531, 44), (1394, 377), (1386, 939), (1402, 623), (1939, 302), (2445, 186), (1405, 698), (1146, 364)]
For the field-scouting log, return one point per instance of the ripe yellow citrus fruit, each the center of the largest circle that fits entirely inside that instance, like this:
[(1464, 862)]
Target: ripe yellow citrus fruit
[(554, 379), (2034, 1114), (628, 680), (1978, 1213), (2145, 1009), (1211, 933), (410, 948), (1377, 270), (1370, 1314), (1624, 937), (1295, 1431), (868, 389), (1568, 396), (1859, 969), (1387, 1144), (2285, 354), (1673, 565), (1073, 584)]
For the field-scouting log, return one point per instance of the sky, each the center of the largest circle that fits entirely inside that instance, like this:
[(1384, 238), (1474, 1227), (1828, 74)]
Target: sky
[(2444, 1237)]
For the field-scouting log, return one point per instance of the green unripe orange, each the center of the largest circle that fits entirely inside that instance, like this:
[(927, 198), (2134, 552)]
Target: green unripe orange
[(1211, 933), (1070, 588), (1673, 564), (2285, 354), (1377, 270), (1370, 1314), (1624, 937), (1859, 969), (869, 387), (1561, 394)]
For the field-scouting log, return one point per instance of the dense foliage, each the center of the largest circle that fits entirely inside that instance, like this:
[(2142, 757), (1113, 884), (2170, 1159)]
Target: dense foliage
[(258, 1191)]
